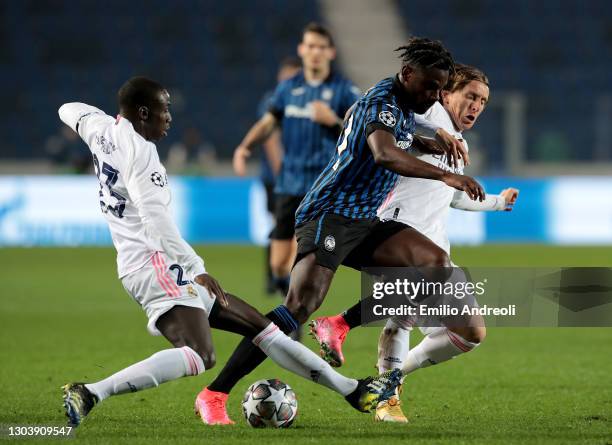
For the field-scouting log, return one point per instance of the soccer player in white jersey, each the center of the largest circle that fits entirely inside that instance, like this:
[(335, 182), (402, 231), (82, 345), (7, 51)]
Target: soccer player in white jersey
[(423, 205), (165, 275)]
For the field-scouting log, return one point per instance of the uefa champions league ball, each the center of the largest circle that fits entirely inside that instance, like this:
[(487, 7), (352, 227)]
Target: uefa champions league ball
[(269, 403)]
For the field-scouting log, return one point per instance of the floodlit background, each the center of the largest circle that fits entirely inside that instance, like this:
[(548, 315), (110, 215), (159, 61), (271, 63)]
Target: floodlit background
[(64, 316), (547, 130)]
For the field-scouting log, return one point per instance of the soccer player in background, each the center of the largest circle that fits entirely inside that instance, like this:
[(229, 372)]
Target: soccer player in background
[(308, 108), (423, 205), (163, 274), (272, 155), (339, 212)]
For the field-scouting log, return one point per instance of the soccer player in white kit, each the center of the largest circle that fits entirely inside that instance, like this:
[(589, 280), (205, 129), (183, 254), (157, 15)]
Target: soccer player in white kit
[(163, 273), (423, 205)]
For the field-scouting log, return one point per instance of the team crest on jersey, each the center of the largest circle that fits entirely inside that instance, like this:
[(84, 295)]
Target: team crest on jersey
[(327, 94), (105, 145), (191, 291), (387, 118), (329, 243), (158, 179)]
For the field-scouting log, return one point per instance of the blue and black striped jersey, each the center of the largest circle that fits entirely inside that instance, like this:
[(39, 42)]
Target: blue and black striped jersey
[(308, 146), (352, 185)]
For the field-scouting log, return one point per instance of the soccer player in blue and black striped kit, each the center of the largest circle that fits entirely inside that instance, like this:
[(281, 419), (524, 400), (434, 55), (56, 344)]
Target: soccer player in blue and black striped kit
[(308, 108), (336, 222)]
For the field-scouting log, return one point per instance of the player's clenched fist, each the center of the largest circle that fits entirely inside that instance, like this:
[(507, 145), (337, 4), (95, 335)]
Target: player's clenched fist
[(510, 195)]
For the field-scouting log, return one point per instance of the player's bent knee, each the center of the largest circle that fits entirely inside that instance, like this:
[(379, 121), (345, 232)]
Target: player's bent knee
[(437, 258), (208, 358), (472, 334)]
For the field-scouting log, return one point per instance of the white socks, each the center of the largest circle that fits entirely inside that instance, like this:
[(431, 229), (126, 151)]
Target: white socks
[(297, 358), (435, 348), (163, 366), (393, 345)]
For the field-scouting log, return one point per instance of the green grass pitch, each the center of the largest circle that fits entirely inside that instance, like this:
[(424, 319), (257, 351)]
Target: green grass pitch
[(64, 316)]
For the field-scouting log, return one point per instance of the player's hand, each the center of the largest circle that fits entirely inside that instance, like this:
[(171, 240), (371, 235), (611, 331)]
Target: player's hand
[(427, 145), (323, 114), (510, 195), (213, 287), (241, 154), (453, 147), (465, 183)]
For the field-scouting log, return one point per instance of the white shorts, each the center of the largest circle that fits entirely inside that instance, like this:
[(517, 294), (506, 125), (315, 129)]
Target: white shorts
[(160, 285)]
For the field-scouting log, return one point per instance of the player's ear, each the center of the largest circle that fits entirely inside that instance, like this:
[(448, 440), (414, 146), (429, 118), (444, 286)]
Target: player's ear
[(143, 113), (332, 53), (444, 95), (407, 71), (300, 50)]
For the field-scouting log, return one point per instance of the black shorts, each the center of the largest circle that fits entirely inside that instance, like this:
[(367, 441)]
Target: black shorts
[(285, 207), (334, 238), (269, 196)]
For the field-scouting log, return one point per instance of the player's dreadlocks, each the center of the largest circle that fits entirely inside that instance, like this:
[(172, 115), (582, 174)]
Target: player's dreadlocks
[(426, 53)]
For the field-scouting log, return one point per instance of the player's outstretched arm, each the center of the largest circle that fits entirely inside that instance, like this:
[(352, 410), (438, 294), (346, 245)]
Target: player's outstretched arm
[(388, 155), (504, 201), (72, 113), (258, 133)]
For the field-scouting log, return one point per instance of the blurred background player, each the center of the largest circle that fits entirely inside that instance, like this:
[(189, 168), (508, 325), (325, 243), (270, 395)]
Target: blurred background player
[(272, 154), (165, 275), (423, 205), (339, 211), (308, 108)]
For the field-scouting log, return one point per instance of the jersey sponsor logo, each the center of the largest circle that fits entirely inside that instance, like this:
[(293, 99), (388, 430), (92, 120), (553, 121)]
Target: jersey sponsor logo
[(105, 145), (298, 91), (327, 94), (158, 179), (299, 112), (330, 243), (387, 118)]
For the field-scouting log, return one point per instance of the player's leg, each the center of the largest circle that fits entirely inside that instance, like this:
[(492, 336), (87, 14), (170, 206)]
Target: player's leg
[(393, 346), (322, 246), (173, 311), (391, 244), (309, 283), (269, 277), (283, 246), (188, 331), (282, 255), (241, 318)]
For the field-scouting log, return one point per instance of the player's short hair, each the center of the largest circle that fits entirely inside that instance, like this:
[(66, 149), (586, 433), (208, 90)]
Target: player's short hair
[(463, 75), (426, 53), (317, 28), (137, 92)]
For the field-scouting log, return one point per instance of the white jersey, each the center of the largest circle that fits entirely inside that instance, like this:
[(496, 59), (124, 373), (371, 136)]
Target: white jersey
[(134, 194), (423, 203)]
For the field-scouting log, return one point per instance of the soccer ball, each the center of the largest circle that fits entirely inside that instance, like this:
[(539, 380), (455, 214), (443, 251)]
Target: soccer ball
[(269, 403)]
